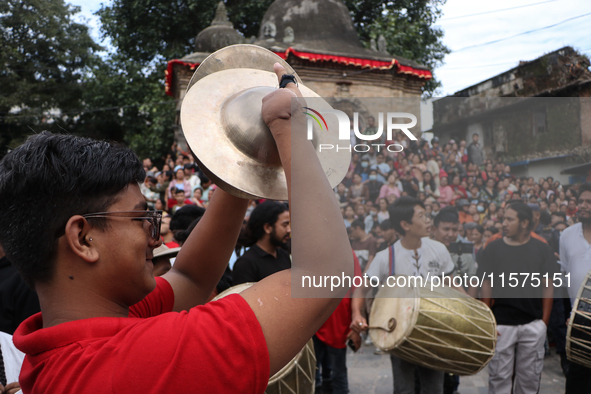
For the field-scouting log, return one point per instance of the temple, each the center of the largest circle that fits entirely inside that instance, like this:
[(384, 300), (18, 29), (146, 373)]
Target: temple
[(318, 39)]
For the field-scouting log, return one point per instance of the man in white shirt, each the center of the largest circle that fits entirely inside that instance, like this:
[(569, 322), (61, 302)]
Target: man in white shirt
[(575, 259), (11, 360), (415, 255)]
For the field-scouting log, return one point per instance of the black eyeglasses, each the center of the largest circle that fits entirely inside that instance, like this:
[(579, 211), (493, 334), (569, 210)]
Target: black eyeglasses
[(153, 218)]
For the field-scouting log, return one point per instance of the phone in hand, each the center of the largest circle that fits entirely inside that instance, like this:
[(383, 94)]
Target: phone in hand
[(351, 344)]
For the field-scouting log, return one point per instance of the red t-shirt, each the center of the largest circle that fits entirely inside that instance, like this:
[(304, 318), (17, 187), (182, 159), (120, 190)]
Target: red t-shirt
[(335, 329), (214, 348), (171, 203), (172, 244)]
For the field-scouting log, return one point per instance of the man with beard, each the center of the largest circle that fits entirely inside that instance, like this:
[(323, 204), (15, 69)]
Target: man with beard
[(268, 230), (575, 258)]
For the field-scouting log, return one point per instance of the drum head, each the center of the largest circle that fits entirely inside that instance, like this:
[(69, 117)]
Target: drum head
[(439, 329), (578, 335), (399, 303)]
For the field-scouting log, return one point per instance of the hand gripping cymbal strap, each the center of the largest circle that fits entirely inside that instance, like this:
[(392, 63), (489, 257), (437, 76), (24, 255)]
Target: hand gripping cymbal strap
[(287, 78)]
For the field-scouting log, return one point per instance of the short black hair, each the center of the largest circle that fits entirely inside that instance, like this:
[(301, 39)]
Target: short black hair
[(402, 210), (559, 213), (479, 228), (386, 225), (49, 179), (182, 235), (448, 214), (585, 187), (492, 229), (168, 175), (266, 213), (184, 216), (203, 178), (545, 218), (358, 223), (524, 212)]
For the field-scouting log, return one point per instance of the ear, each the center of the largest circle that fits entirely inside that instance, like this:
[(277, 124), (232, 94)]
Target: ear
[(268, 228), (78, 235), (405, 226)]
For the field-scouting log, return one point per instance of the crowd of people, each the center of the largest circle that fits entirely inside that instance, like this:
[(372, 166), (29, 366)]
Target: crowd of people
[(472, 201), (451, 193), (457, 187), (440, 176)]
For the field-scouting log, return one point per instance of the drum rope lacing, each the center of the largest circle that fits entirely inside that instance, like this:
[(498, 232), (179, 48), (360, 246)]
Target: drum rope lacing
[(418, 345)]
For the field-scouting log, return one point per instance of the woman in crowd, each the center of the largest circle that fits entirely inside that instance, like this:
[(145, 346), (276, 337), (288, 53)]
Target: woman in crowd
[(458, 189), (446, 193), (196, 199), (356, 190), (492, 211), (355, 166), (417, 167), (180, 183), (349, 215), (383, 210), (392, 186), (428, 185), (489, 193)]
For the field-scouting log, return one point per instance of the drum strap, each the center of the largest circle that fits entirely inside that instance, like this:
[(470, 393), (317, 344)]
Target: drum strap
[(2, 370), (392, 260)]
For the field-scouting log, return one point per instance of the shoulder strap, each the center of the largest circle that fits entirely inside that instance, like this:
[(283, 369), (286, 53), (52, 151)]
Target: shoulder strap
[(392, 259), (2, 371)]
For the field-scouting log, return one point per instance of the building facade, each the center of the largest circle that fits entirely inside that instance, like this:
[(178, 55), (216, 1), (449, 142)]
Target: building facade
[(318, 39)]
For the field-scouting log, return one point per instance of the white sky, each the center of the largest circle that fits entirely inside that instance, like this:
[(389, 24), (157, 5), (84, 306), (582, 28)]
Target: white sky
[(466, 67)]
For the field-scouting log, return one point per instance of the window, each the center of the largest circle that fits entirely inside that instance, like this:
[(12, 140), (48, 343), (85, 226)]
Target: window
[(539, 122)]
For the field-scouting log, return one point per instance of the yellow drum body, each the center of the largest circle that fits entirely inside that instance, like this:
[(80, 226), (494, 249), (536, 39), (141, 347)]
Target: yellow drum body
[(440, 329), (297, 376)]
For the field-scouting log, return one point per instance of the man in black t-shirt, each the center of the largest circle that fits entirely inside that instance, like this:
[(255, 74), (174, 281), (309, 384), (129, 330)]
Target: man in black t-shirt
[(522, 301), (268, 229)]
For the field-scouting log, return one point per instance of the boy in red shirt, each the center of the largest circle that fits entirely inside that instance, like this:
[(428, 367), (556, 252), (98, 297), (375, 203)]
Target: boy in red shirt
[(86, 247)]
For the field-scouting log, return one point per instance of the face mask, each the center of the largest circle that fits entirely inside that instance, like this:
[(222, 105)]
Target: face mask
[(480, 209), (373, 213), (364, 164), (373, 177)]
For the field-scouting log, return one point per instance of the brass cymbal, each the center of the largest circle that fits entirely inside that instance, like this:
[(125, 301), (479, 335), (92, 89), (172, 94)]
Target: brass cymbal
[(239, 56), (222, 123)]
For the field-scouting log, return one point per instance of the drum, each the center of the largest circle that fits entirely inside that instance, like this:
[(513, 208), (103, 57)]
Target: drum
[(297, 376), (578, 334), (440, 329)]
